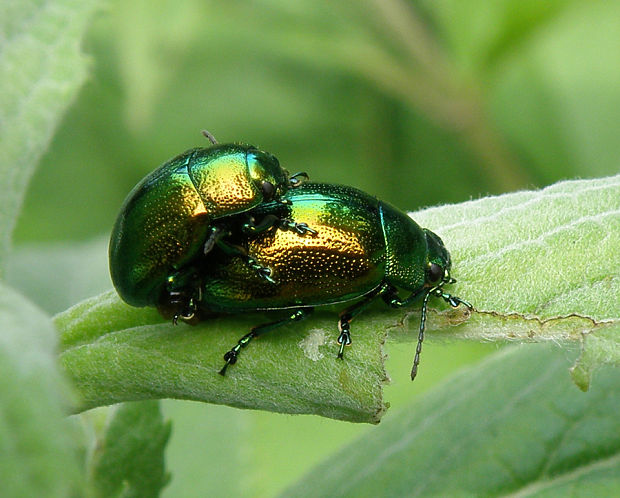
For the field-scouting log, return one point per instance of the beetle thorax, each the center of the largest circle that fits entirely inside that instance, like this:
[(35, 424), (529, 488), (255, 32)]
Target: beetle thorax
[(406, 249)]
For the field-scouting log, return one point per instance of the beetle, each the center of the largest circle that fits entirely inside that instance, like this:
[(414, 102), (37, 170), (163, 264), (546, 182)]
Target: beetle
[(364, 249), (172, 218)]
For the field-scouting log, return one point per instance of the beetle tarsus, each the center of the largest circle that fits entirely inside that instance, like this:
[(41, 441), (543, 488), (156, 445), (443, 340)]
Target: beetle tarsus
[(464, 303), (188, 315), (347, 315), (298, 178), (304, 229), (180, 304), (300, 228), (230, 358), (264, 273), (222, 372), (344, 339)]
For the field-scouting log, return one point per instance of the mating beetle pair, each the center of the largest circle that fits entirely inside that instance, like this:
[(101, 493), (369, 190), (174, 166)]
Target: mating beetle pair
[(172, 218), (313, 244)]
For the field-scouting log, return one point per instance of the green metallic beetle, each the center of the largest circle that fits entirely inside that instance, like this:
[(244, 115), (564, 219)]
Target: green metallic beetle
[(364, 249), (172, 218)]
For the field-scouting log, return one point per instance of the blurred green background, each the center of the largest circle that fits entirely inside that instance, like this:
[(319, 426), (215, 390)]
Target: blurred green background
[(419, 103)]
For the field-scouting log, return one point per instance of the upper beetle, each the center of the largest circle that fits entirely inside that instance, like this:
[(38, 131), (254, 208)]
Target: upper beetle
[(364, 249), (172, 218)]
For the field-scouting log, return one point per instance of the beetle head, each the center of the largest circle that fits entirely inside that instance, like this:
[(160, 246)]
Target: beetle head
[(439, 262), (266, 171)]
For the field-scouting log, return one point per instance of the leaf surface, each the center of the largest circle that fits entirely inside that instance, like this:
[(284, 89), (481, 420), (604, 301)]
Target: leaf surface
[(512, 426), (537, 266)]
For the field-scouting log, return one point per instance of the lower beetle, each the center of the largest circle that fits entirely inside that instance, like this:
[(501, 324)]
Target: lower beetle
[(173, 218), (364, 249)]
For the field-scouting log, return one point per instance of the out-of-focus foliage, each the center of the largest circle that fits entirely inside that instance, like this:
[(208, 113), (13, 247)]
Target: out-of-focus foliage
[(128, 460), (512, 426), (449, 101), (41, 70), (38, 446)]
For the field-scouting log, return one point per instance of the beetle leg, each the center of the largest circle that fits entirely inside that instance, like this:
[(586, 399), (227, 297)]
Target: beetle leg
[(271, 220), (187, 314), (347, 316), (298, 178), (231, 356), (393, 300), (251, 227), (450, 299), (238, 251), (344, 339), (262, 271), (180, 304), (300, 228)]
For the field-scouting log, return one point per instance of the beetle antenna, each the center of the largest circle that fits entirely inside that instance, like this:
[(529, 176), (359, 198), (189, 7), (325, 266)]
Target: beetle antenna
[(209, 136), (418, 349)]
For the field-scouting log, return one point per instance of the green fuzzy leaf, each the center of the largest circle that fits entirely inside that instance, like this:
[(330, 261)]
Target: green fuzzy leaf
[(540, 266), (512, 426), (598, 348), (41, 70), (38, 454), (537, 266), (116, 353), (129, 460)]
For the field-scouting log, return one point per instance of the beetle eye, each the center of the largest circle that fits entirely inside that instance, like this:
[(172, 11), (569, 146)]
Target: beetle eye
[(268, 190), (434, 274)]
